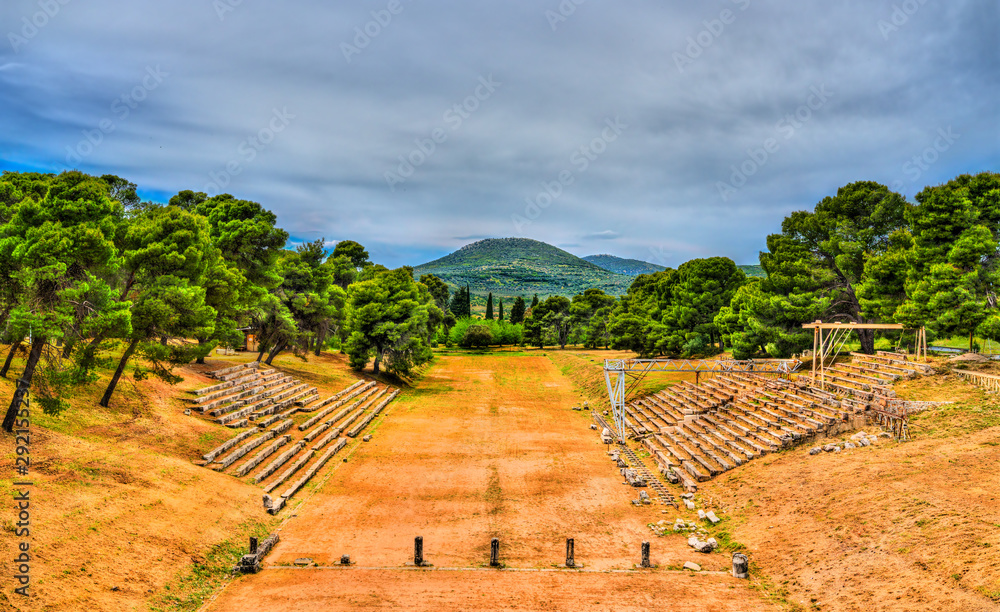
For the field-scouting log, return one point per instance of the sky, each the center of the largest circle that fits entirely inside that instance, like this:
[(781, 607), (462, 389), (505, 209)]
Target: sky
[(661, 131)]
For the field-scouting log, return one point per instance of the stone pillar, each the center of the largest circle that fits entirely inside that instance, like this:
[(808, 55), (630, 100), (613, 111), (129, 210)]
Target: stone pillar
[(418, 551), (741, 566), (253, 546), (495, 552), (645, 554), (570, 562)]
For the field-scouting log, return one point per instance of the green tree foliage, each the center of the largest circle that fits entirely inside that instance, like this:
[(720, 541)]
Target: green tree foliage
[(517, 310), (503, 333), (702, 288), (550, 322), (166, 255), (477, 336), (816, 268), (500, 313), (438, 289), (461, 303), (249, 245), (954, 265), (673, 312), (387, 318), (310, 297), (589, 312), (57, 248), (489, 307)]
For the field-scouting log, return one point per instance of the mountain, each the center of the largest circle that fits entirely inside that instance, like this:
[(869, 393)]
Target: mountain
[(620, 265), (520, 266), (635, 267)]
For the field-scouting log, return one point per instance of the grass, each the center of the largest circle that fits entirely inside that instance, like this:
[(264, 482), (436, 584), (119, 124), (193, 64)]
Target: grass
[(191, 587)]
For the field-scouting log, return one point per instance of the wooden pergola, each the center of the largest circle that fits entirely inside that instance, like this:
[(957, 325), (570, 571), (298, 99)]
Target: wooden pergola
[(836, 335)]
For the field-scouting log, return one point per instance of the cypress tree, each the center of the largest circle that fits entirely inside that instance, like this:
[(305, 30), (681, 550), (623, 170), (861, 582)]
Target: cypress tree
[(489, 307), (517, 311), (500, 316), (534, 301)]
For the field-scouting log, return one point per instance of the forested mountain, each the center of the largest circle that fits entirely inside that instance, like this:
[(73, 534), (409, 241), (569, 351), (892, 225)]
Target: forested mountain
[(620, 265), (520, 266)]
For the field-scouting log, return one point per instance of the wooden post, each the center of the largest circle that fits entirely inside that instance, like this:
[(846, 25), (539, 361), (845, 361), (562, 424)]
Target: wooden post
[(570, 562), (495, 552), (418, 551), (815, 341), (645, 554)]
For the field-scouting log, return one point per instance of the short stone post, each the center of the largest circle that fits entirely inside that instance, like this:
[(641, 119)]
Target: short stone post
[(418, 551), (253, 546), (495, 552), (645, 554), (569, 553), (741, 566)]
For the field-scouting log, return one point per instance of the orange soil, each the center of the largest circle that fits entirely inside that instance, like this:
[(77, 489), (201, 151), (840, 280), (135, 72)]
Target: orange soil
[(117, 501), (900, 526), (482, 447)]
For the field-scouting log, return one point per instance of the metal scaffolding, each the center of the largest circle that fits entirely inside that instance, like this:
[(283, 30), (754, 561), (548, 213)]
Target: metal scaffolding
[(618, 371), (836, 334)]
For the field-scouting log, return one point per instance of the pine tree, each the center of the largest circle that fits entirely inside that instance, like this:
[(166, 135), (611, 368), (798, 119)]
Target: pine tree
[(517, 311), (534, 301), (489, 307)]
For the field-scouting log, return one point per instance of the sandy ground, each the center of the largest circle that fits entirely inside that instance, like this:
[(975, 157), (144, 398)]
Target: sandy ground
[(483, 447), (909, 526)]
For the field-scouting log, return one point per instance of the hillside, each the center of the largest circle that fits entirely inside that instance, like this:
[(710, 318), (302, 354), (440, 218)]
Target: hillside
[(620, 265), (752, 270), (520, 266)]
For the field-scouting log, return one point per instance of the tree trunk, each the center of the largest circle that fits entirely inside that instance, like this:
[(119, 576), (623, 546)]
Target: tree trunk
[(320, 340), (10, 358), (970, 342), (201, 359), (277, 349), (118, 373), (24, 383), (67, 350), (378, 358), (867, 338)]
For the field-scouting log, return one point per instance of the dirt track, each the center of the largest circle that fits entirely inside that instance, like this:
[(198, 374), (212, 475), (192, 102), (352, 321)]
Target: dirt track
[(483, 447)]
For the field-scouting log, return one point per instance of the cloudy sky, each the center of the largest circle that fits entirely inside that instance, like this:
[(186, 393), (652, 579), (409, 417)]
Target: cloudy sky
[(661, 130)]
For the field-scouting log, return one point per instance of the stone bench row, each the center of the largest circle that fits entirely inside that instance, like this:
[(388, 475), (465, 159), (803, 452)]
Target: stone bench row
[(223, 373), (264, 453), (371, 390)]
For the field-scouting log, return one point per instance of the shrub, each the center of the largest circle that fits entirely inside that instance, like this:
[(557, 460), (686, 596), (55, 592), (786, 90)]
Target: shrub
[(477, 336)]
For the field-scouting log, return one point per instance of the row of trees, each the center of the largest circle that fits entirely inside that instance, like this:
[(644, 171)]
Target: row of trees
[(865, 255), (90, 276)]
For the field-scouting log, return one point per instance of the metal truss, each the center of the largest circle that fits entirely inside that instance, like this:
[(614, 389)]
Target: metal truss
[(618, 371)]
